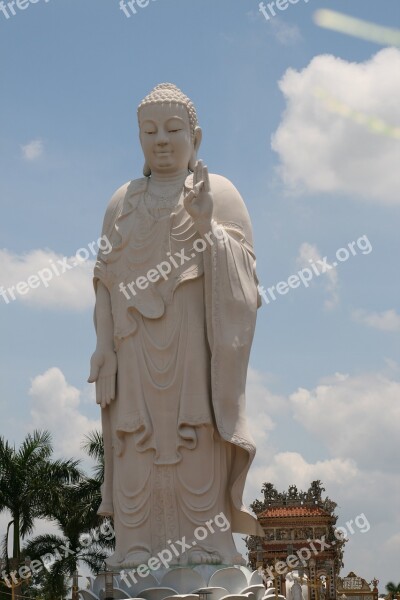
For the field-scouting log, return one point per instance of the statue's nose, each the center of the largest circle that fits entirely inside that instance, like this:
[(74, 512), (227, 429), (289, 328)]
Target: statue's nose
[(162, 139)]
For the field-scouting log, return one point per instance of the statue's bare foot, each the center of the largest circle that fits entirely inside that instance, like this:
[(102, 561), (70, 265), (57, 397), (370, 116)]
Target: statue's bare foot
[(134, 559), (114, 561), (201, 557)]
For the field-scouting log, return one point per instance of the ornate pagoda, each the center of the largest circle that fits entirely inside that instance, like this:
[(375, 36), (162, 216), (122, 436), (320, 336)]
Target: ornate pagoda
[(353, 587), (298, 525)]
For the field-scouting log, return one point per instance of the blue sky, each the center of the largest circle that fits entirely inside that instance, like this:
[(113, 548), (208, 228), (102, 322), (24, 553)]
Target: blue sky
[(314, 180)]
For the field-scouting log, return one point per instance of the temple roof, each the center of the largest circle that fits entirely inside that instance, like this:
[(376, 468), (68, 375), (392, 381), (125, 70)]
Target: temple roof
[(293, 511)]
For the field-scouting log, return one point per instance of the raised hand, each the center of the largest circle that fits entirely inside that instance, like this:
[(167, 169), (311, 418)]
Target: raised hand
[(199, 201)]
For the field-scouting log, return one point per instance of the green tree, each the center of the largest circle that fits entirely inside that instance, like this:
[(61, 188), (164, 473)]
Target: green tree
[(30, 484), (49, 586), (393, 589), (84, 536), (91, 486)]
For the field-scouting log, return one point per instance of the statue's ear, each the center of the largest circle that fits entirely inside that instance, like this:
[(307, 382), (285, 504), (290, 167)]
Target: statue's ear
[(198, 136), (146, 170)]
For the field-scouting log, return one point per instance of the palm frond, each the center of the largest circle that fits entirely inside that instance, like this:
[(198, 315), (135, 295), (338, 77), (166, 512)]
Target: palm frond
[(43, 544), (93, 445)]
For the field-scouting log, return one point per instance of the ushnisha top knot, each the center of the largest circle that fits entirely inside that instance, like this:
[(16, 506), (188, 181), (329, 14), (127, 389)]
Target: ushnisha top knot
[(168, 93)]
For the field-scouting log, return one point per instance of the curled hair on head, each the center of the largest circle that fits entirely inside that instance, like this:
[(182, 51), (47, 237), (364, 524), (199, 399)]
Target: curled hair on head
[(168, 93)]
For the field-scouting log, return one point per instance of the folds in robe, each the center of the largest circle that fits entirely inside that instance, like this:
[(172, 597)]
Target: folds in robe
[(231, 300)]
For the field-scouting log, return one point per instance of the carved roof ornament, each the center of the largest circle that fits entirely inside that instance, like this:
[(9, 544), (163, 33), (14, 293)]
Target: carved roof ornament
[(294, 497)]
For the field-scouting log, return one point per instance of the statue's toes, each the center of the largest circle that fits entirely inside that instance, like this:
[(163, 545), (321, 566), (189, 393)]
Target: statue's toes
[(201, 557), (136, 558), (216, 558)]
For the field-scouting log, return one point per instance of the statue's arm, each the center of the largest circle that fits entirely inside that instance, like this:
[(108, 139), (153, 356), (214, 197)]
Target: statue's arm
[(228, 258), (103, 318), (103, 364), (230, 211), (233, 242)]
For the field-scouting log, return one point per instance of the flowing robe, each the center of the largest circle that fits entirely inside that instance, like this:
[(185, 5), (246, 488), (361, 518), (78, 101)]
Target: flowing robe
[(181, 448)]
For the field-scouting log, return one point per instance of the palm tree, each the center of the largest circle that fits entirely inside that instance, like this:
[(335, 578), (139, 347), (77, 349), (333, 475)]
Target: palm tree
[(30, 484), (93, 445), (80, 526), (80, 538), (393, 589), (48, 586)]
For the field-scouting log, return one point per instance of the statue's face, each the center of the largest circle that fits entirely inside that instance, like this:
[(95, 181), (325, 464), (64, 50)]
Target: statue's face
[(165, 137)]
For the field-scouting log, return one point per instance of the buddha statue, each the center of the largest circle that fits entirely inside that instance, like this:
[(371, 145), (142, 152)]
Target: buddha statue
[(176, 304)]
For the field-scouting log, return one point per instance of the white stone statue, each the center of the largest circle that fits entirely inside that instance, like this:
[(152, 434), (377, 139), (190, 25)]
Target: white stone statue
[(176, 303), (296, 591)]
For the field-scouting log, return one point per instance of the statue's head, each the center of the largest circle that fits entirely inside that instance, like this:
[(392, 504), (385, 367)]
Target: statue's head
[(169, 132)]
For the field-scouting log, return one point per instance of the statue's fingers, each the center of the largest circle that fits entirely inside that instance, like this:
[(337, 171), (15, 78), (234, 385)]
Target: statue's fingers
[(189, 198), (196, 174), (98, 392), (197, 189), (94, 372), (104, 392), (206, 179), (107, 398), (199, 170), (111, 393)]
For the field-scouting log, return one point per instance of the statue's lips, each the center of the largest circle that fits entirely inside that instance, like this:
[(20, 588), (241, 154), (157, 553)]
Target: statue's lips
[(163, 153)]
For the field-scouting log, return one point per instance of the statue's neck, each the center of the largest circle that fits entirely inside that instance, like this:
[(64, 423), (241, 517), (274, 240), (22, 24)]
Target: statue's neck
[(170, 179)]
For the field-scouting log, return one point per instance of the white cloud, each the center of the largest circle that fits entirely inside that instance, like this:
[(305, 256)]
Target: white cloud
[(33, 150), (285, 33), (356, 417), (69, 290), (261, 404), (309, 254), (286, 468), (338, 133), (392, 545), (57, 406), (388, 320)]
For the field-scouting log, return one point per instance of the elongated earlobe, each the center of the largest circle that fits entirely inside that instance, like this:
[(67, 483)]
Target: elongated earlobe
[(146, 170)]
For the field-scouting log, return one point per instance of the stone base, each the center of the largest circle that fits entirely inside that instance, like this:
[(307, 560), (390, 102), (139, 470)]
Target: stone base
[(213, 582)]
